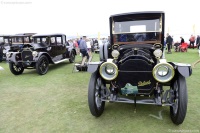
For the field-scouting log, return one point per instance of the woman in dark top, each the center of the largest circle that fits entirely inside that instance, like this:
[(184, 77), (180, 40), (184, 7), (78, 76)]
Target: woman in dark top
[(182, 40)]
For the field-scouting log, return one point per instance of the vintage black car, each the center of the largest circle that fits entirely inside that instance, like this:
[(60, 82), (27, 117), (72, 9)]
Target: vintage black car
[(44, 50), (15, 42), (18, 41), (5, 44), (133, 68)]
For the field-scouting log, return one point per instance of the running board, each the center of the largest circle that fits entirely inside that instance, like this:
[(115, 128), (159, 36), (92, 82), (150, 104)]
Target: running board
[(61, 61)]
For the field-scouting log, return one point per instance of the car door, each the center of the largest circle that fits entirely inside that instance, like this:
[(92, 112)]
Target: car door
[(53, 47), (61, 48)]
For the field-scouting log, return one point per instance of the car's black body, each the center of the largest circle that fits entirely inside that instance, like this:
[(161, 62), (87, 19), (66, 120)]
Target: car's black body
[(5, 44), (44, 50), (133, 68), (18, 41), (15, 42)]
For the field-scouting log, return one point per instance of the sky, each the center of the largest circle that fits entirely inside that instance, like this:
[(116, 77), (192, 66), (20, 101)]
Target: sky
[(91, 17)]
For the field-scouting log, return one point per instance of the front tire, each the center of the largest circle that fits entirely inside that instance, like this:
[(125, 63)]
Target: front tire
[(16, 69), (179, 109), (95, 91), (42, 65)]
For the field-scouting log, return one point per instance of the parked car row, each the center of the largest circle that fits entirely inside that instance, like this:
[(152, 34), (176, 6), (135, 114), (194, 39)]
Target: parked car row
[(36, 51)]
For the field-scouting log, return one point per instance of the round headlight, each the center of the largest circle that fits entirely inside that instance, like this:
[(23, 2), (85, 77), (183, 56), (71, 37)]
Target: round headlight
[(35, 53), (8, 55), (162, 71), (109, 69), (115, 53), (157, 53)]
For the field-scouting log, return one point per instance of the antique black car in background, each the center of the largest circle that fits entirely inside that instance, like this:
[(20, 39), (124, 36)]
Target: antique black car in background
[(5, 44), (18, 41), (15, 42), (45, 49), (133, 68)]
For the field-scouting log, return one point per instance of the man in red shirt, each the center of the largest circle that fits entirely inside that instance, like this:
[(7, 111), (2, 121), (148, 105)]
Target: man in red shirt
[(192, 40)]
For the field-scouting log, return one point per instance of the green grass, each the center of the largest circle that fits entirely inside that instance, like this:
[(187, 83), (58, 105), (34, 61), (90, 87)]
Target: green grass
[(57, 102)]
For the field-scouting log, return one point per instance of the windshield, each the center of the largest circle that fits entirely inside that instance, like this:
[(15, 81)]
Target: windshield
[(137, 26), (17, 40), (1, 40), (41, 40), (7, 41)]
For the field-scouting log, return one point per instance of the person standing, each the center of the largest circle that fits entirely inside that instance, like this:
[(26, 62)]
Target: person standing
[(83, 50), (169, 41), (192, 40), (198, 41), (76, 46), (182, 40), (92, 45), (79, 41), (1, 52), (89, 50)]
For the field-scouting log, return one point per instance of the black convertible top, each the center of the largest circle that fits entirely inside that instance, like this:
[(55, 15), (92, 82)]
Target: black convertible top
[(141, 12)]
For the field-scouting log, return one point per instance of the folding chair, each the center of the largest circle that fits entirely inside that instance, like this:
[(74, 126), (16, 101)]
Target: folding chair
[(184, 47)]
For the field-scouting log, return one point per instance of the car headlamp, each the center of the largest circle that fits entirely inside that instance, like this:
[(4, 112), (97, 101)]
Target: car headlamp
[(35, 53), (108, 70), (163, 72), (115, 54), (8, 55), (157, 53)]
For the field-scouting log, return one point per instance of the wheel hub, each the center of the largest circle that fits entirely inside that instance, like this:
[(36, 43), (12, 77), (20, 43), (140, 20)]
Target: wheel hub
[(97, 94)]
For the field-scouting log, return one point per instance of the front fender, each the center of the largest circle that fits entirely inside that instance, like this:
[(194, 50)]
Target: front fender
[(184, 69), (12, 58), (69, 51), (93, 66), (40, 54)]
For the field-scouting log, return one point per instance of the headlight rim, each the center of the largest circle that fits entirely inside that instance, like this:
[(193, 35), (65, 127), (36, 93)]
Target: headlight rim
[(101, 69), (170, 68)]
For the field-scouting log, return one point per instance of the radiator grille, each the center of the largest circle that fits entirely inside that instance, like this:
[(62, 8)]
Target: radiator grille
[(27, 55)]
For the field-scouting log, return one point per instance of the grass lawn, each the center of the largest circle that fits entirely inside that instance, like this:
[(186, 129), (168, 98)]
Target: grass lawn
[(57, 102)]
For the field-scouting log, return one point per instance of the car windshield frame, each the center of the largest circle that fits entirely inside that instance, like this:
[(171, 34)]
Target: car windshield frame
[(139, 28)]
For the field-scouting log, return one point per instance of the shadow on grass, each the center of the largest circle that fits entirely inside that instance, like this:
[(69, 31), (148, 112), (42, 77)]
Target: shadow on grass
[(129, 108), (122, 113), (52, 67)]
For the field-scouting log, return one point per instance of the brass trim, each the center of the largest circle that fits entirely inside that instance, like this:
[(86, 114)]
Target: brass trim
[(105, 63), (157, 44), (169, 66)]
